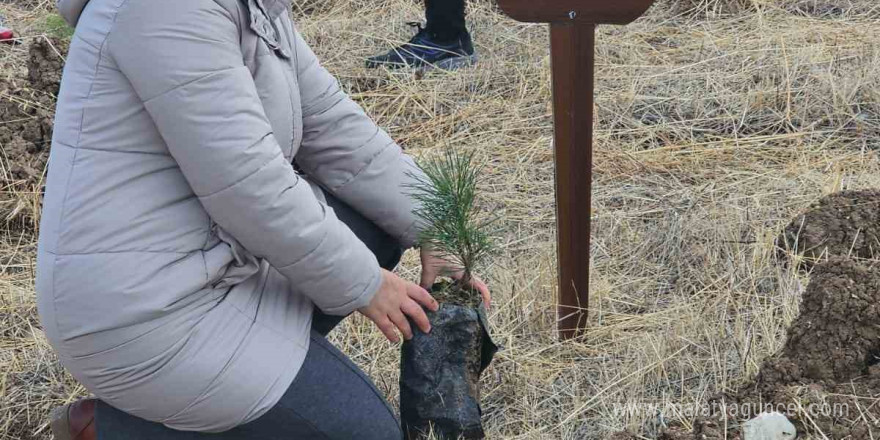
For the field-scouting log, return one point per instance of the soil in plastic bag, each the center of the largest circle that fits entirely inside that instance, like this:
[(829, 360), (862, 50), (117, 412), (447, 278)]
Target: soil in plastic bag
[(440, 371)]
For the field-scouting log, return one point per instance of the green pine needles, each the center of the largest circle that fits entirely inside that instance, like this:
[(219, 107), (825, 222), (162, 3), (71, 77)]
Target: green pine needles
[(447, 197)]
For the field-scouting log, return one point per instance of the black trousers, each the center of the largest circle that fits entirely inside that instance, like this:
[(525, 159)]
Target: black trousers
[(445, 18), (330, 398)]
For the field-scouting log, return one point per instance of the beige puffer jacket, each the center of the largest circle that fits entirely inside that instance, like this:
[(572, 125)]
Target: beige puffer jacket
[(180, 254)]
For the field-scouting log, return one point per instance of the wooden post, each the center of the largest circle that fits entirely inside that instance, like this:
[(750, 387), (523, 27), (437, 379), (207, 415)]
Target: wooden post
[(572, 57), (572, 60)]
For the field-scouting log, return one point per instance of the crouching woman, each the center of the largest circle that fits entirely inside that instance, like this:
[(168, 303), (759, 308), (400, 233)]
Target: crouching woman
[(215, 205)]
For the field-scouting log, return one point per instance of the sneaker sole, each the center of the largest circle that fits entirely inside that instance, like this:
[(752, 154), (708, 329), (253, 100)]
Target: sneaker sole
[(447, 64), (60, 423), (451, 63)]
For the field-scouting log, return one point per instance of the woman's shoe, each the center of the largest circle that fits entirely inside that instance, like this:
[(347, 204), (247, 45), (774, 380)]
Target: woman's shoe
[(74, 421)]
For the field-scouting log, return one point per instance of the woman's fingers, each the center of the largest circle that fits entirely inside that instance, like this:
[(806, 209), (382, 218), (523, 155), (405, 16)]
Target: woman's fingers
[(387, 328), (400, 321), (422, 297), (395, 300), (478, 284), (417, 314), (429, 274)]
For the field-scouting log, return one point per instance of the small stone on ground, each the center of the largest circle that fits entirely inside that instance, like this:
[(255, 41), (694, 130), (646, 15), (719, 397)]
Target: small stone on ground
[(769, 426)]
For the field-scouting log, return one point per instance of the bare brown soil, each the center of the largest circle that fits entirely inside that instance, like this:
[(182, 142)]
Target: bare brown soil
[(844, 224), (837, 336), (454, 293), (27, 109), (826, 376), (45, 64), (27, 112), (826, 379)]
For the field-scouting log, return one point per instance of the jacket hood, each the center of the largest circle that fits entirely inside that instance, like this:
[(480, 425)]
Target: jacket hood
[(71, 10)]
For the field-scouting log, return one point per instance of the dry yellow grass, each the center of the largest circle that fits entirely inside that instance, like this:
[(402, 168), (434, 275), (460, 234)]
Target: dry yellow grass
[(717, 121)]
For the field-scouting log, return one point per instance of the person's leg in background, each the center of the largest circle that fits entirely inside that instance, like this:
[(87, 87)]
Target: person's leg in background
[(445, 19), (319, 402), (444, 42)]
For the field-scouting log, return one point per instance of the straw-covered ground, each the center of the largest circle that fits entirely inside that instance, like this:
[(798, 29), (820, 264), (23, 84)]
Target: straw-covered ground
[(718, 121)]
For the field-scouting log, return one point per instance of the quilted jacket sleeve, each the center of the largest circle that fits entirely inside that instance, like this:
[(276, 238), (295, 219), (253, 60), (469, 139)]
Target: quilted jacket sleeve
[(183, 59), (349, 155)]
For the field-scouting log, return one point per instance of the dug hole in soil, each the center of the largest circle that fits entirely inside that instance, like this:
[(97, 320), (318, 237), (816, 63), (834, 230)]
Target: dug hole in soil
[(440, 371), (826, 378)]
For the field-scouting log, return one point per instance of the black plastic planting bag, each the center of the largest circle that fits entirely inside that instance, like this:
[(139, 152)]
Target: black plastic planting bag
[(440, 373)]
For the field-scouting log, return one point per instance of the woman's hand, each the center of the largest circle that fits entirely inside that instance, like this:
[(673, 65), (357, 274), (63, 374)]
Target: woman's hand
[(433, 265), (395, 300)]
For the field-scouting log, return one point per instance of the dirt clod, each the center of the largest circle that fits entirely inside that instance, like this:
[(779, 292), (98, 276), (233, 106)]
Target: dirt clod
[(455, 293), (827, 367), (837, 335), (45, 64), (844, 224), (27, 109), (826, 378), (26, 131)]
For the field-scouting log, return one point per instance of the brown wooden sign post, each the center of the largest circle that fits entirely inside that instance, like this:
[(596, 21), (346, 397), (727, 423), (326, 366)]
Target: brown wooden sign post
[(572, 55)]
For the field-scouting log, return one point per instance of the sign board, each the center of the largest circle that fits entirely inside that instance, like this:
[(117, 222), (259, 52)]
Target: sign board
[(572, 59)]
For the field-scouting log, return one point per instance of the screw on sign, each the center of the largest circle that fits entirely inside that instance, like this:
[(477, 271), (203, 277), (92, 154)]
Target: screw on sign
[(572, 58)]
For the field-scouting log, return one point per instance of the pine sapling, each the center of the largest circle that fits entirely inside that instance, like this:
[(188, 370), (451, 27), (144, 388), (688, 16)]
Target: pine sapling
[(440, 370), (454, 228)]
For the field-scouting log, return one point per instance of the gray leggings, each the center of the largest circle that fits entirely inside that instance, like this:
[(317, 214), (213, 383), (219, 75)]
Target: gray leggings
[(330, 399)]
